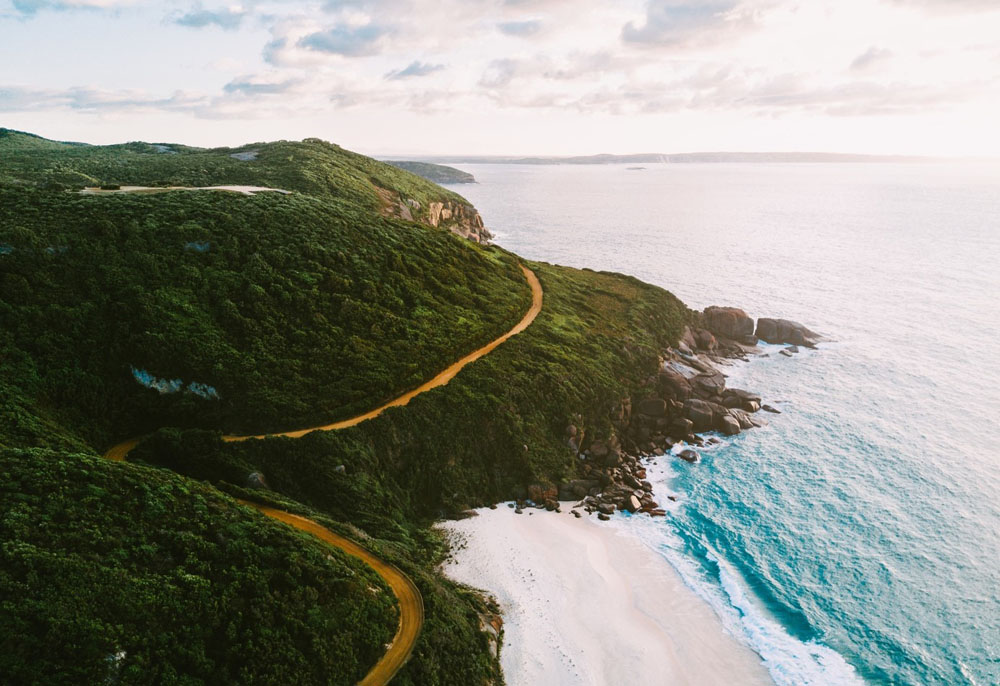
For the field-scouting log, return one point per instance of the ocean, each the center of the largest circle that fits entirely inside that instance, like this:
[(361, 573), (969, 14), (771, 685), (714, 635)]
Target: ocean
[(856, 538)]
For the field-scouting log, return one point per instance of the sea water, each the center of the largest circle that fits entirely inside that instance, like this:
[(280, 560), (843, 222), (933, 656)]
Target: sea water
[(856, 538)]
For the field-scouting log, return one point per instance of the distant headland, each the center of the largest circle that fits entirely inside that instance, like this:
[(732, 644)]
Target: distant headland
[(686, 158)]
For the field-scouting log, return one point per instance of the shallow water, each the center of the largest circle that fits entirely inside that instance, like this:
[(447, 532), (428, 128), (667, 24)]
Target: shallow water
[(856, 539)]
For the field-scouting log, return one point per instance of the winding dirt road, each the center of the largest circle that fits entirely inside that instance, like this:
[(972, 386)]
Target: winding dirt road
[(411, 605)]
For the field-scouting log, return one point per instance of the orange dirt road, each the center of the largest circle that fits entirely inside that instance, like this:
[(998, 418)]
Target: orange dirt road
[(439, 380), (411, 605)]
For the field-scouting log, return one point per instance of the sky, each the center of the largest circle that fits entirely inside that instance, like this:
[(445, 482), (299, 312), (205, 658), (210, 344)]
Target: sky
[(510, 77)]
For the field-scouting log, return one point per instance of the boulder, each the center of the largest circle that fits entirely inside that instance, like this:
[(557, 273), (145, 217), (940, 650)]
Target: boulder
[(599, 449), (712, 382), (729, 322), (673, 384), (742, 395), (688, 455), (744, 419), (705, 340), (633, 504), (603, 517), (751, 406), (682, 427), (700, 413), (771, 409), (687, 343), (653, 407), (257, 480), (729, 425), (785, 331)]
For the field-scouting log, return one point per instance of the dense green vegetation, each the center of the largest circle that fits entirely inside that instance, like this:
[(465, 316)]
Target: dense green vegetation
[(313, 167), (116, 573), (264, 313), (438, 173), (294, 309), (497, 427)]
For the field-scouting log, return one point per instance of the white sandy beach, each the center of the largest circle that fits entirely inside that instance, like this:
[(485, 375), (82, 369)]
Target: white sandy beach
[(584, 604)]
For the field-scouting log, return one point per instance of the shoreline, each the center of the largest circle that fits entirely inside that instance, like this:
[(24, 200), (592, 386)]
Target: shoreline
[(584, 603)]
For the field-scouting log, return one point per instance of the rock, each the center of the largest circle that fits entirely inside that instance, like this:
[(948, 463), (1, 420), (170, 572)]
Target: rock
[(510, 505), (700, 413), (599, 449), (751, 406), (705, 340), (673, 384), (772, 410), (729, 425), (729, 322), (493, 506), (744, 419), (785, 331), (518, 511), (712, 382), (682, 426), (742, 395), (687, 343), (603, 517), (633, 504), (257, 480), (653, 407), (576, 514), (792, 348), (606, 508), (688, 455), (785, 353)]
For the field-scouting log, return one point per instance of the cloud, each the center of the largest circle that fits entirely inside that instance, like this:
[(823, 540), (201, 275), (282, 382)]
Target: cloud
[(528, 27), (870, 58), (247, 86), (415, 68), (950, 6), (226, 18), (672, 22), (16, 99), (499, 73), (32, 7), (350, 41)]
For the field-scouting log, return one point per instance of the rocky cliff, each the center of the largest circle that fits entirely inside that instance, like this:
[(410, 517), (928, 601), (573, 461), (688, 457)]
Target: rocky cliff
[(460, 218)]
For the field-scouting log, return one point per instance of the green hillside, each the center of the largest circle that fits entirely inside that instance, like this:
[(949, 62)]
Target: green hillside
[(185, 314)]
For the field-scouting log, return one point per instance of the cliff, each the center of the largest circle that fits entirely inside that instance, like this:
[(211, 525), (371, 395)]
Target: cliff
[(458, 217)]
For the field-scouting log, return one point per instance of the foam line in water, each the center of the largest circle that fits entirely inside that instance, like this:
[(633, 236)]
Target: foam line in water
[(789, 661)]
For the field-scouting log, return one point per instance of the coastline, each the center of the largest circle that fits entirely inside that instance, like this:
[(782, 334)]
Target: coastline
[(584, 603)]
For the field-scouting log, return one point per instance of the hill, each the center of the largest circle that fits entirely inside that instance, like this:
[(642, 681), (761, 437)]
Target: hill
[(181, 314), (438, 173)]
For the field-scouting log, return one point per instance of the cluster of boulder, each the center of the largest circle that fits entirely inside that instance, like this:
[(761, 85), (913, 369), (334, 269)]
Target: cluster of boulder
[(688, 396)]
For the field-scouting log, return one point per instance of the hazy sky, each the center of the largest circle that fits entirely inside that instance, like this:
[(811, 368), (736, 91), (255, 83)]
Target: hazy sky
[(511, 76)]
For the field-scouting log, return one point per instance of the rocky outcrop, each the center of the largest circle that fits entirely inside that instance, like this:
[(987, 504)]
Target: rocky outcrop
[(785, 331), (687, 396), (730, 322), (459, 218)]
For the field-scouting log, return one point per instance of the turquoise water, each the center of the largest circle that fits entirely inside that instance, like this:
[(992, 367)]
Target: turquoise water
[(856, 539)]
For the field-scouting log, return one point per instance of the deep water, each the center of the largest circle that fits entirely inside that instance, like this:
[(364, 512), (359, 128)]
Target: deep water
[(856, 539)]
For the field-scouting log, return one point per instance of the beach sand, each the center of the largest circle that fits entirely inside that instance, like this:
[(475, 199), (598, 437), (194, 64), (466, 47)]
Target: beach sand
[(584, 604)]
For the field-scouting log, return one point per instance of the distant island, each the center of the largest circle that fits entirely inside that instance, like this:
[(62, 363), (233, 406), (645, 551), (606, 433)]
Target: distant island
[(682, 158), (438, 173)]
